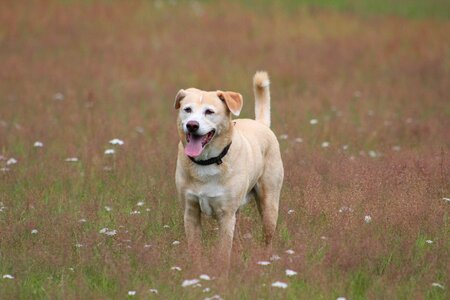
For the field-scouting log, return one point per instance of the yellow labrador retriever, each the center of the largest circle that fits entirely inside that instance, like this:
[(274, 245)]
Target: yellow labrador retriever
[(223, 163)]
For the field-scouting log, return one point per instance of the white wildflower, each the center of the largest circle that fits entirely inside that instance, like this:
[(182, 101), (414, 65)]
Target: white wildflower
[(78, 245), (275, 257), (429, 241), (72, 159), (166, 226), (11, 161), (154, 291), (345, 209), (147, 246), (108, 208), (283, 137), (436, 284), (290, 273), (116, 142), (7, 276), (58, 96), (206, 290), (110, 151), (290, 251), (176, 268), (280, 284), (34, 231), (38, 144), (372, 154), (344, 147), (341, 298), (204, 277), (108, 232), (263, 263), (325, 144), (175, 243), (367, 219), (291, 211), (131, 293), (111, 232), (446, 199), (135, 212), (313, 121), (189, 282), (82, 220), (140, 203)]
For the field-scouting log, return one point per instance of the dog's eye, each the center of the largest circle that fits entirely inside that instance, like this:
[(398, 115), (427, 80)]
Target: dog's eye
[(188, 110), (209, 112)]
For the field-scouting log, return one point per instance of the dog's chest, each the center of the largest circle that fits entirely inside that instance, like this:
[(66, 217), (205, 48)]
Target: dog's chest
[(206, 173), (211, 197)]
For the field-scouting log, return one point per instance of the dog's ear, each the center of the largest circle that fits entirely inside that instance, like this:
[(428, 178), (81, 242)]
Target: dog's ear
[(232, 100), (180, 95)]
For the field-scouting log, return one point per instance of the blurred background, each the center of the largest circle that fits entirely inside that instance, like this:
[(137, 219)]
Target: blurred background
[(360, 103)]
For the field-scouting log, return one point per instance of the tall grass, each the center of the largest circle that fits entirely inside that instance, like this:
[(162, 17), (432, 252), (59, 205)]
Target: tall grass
[(76, 75)]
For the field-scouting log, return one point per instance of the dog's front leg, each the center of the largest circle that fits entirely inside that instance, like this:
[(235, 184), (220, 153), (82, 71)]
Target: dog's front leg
[(192, 227), (227, 223)]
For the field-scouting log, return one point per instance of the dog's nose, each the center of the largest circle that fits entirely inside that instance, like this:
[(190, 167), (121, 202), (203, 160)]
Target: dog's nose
[(192, 126)]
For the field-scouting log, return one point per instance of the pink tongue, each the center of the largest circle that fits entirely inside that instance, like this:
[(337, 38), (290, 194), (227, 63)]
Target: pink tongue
[(194, 147)]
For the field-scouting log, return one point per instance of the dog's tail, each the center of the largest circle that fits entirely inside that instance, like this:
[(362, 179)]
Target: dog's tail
[(262, 97)]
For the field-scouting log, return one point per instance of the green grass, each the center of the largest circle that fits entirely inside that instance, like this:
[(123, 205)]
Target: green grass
[(408, 8)]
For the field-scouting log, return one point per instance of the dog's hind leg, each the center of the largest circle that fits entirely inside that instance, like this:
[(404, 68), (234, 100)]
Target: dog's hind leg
[(268, 204), (268, 200)]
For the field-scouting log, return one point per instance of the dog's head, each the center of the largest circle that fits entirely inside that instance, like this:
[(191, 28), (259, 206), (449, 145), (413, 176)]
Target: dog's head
[(204, 117)]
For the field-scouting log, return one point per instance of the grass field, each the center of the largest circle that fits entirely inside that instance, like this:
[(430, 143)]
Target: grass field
[(360, 102)]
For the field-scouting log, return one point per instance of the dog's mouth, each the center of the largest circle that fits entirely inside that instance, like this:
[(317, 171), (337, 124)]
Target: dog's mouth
[(196, 143)]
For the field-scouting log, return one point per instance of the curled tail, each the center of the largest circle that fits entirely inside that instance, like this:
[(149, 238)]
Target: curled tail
[(261, 89)]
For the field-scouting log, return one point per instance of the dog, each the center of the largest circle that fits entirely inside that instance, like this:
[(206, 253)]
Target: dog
[(224, 163)]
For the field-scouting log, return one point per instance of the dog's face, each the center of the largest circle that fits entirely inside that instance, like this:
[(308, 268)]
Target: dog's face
[(204, 116)]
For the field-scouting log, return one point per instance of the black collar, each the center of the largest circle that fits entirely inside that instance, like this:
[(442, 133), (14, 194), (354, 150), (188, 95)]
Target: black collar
[(213, 160)]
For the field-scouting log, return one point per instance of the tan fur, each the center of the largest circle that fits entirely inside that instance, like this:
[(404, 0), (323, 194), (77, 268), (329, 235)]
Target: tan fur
[(233, 101), (262, 97), (252, 168)]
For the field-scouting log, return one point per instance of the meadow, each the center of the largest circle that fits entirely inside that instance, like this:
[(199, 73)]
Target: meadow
[(360, 103)]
